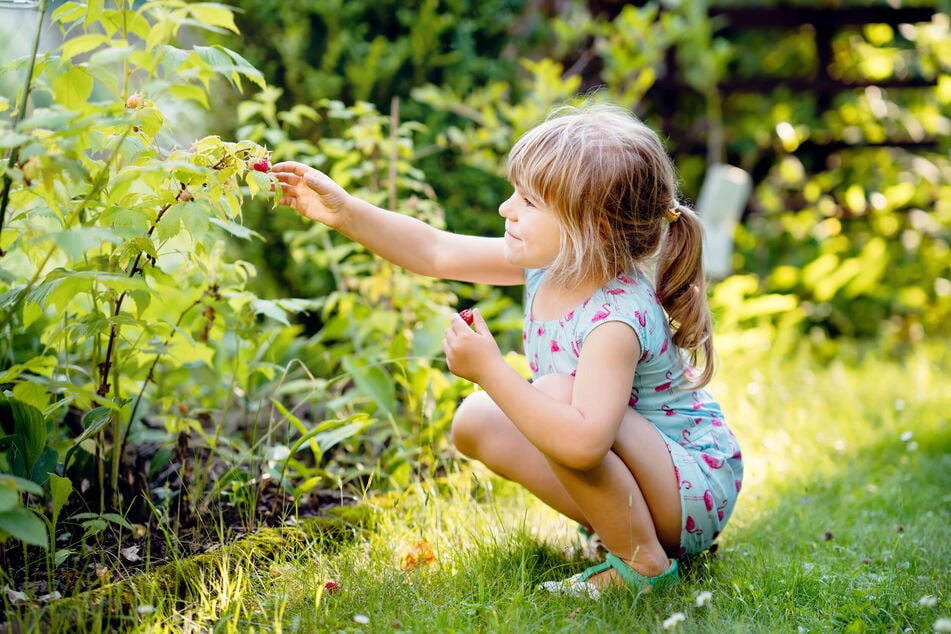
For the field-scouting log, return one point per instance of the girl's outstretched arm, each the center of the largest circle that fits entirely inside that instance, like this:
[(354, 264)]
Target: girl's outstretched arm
[(403, 240)]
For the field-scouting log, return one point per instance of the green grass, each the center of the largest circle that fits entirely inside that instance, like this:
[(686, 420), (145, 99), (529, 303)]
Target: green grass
[(841, 526)]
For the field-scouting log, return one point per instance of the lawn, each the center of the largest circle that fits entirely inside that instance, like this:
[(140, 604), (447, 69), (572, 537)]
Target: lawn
[(841, 526)]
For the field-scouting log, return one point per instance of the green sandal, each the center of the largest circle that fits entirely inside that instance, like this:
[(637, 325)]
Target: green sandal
[(579, 586)]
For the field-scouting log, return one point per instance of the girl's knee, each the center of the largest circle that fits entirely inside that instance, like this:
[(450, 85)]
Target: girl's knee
[(470, 421)]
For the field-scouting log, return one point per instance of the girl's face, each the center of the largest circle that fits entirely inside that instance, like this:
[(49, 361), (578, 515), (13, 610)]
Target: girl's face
[(532, 232)]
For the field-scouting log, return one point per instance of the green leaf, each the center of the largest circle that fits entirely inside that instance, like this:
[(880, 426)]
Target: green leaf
[(58, 290), (82, 44), (69, 12), (29, 431), (214, 14), (170, 225), (44, 466), (373, 382), (24, 525), (117, 519), (229, 64), (76, 242), (93, 421), (62, 286), (94, 526), (270, 309), (32, 394), (21, 484), (93, 11), (330, 437), (9, 497), (73, 88), (42, 365), (246, 69), (162, 32), (238, 231), (172, 58), (11, 139), (62, 555), (60, 489), (191, 92), (132, 248)]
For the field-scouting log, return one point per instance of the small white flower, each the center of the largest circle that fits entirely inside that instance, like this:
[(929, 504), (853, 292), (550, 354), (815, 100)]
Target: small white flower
[(906, 436), (912, 446), (942, 625), (145, 609), (704, 598), (674, 620), (362, 619), (928, 601)]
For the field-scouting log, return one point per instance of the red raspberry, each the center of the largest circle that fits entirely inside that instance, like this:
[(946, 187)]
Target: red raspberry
[(467, 316), (331, 587), (261, 165)]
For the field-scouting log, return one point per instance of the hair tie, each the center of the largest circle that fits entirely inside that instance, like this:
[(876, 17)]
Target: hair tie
[(672, 215)]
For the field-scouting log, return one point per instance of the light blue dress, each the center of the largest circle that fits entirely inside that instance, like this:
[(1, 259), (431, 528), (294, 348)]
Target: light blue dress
[(705, 453)]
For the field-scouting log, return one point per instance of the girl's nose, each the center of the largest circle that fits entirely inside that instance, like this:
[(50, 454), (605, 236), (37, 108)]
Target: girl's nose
[(506, 206)]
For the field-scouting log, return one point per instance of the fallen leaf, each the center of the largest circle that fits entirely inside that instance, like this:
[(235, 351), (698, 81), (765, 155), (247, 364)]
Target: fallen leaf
[(421, 554), (131, 553)]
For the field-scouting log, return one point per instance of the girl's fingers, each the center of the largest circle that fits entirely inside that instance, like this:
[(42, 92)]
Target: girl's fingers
[(478, 322), (289, 167)]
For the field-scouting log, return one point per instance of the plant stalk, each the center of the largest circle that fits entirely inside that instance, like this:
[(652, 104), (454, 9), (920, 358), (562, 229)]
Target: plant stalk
[(15, 152)]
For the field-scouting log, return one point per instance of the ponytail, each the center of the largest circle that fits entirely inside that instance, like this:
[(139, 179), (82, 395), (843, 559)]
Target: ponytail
[(681, 289)]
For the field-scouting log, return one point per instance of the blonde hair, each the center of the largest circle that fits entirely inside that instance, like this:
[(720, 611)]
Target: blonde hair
[(612, 184)]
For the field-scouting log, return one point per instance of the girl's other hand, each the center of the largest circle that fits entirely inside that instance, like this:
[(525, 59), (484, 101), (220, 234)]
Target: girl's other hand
[(471, 351), (311, 193)]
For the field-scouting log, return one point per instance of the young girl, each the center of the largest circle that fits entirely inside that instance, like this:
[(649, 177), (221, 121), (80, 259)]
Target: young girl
[(615, 430)]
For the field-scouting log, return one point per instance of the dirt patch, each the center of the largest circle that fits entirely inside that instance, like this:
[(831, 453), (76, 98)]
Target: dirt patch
[(162, 522)]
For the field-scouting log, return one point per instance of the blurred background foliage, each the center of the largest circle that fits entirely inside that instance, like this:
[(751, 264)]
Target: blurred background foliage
[(840, 113)]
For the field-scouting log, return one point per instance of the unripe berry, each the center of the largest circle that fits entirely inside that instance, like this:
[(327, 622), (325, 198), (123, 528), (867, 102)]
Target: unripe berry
[(134, 101), (31, 170)]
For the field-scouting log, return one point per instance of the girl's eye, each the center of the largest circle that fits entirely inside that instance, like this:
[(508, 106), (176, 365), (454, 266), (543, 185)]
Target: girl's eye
[(528, 202)]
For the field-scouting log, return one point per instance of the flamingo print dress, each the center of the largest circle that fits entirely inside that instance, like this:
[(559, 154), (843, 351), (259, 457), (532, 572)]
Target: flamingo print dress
[(706, 455)]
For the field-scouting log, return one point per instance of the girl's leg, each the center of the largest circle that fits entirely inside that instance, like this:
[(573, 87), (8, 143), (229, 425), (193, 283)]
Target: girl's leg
[(481, 431), (631, 499)]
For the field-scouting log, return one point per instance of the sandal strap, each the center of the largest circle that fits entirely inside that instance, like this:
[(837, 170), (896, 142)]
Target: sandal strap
[(635, 579), (593, 570)]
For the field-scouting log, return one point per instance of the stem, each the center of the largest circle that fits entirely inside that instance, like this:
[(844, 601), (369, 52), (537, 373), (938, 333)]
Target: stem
[(15, 152), (150, 377), (106, 365), (116, 446)]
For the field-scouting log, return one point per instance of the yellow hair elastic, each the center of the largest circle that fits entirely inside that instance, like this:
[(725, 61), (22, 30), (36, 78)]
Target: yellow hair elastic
[(672, 215)]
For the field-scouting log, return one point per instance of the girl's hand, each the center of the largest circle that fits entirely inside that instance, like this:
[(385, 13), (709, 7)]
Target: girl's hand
[(312, 193), (470, 354)]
